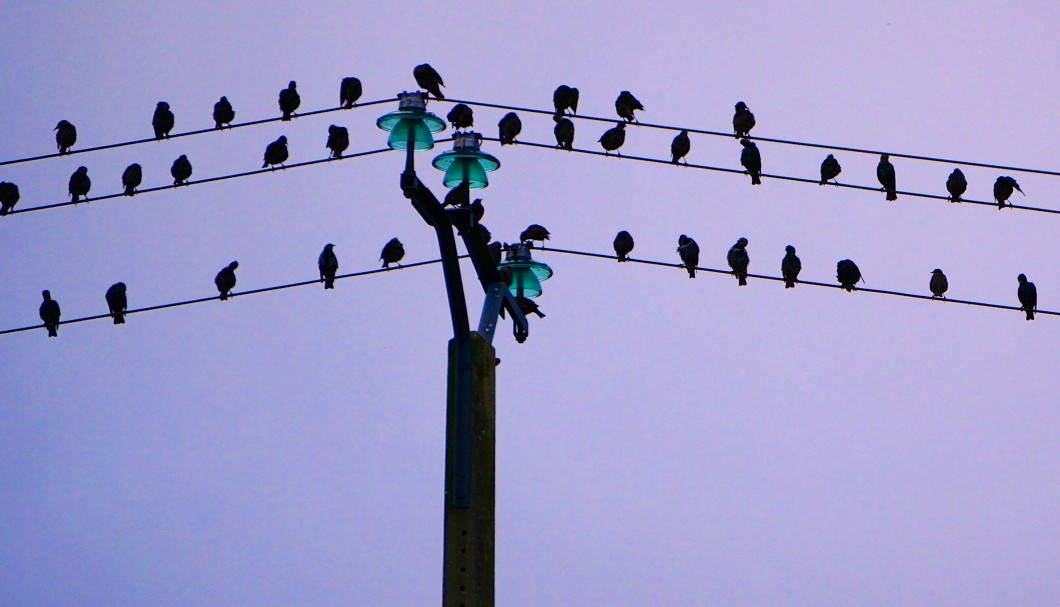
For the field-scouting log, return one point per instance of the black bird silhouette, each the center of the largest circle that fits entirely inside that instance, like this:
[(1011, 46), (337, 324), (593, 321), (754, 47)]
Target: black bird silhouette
[(393, 251), (477, 210), (80, 184), (428, 79), (743, 120), (485, 232), (226, 280), (689, 252), (49, 313), (751, 160), (223, 113), (528, 307), (938, 284), (626, 104), (338, 140), (461, 116), (613, 138), (885, 173), (564, 133), (289, 100), (535, 232), (131, 178), (275, 153), (790, 267), (956, 185), (163, 120), (349, 92), (623, 245), (496, 250), (680, 147), (739, 260), (117, 302), (181, 170), (565, 97), (458, 196), (328, 265), (9, 196), (848, 274), (65, 136), (1003, 189), (830, 169), (1027, 293), (510, 126)]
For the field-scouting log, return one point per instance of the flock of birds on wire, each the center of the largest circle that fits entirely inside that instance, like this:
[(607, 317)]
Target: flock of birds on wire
[(565, 98)]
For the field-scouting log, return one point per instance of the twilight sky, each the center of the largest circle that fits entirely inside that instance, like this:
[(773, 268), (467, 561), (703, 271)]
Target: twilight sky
[(661, 441)]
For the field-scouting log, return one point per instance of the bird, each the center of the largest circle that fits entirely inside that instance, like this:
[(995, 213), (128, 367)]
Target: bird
[(848, 274), (338, 140), (1027, 293), (1003, 189), (328, 265), (393, 251), (484, 231), (885, 173), (496, 249), (289, 100), (689, 252), (9, 196), (163, 120), (131, 178), (956, 185), (680, 147), (738, 260), (80, 184), (181, 170), (790, 267), (528, 307), (613, 138), (564, 131), (534, 232), (117, 302), (226, 280), (276, 152), (461, 116), (49, 313), (830, 169), (65, 136), (565, 97), (349, 92), (458, 196), (938, 284), (510, 126), (743, 120), (429, 79), (751, 160), (626, 104), (477, 210), (623, 245), (223, 113)]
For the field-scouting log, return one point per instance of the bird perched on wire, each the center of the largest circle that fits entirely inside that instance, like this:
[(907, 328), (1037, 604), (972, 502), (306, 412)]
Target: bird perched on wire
[(751, 160), (181, 170), (626, 104), (564, 132), (328, 264), (226, 280), (623, 245), (79, 185), (680, 147), (510, 126), (529, 306), (613, 138), (1027, 293), (885, 173), (790, 267), (534, 232), (743, 120), (49, 313), (338, 140), (275, 153), (956, 185), (393, 251), (830, 169), (65, 136), (565, 98), (739, 260), (848, 274), (289, 100), (163, 120), (461, 116), (689, 252), (131, 178), (428, 79), (9, 197), (117, 302), (938, 284), (349, 92), (223, 113), (1003, 189)]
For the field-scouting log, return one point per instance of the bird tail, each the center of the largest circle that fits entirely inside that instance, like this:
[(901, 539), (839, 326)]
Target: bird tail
[(224, 295), (692, 272), (53, 330), (789, 283), (119, 318), (756, 179), (286, 116), (743, 279), (892, 195), (129, 190), (1030, 314), (329, 283)]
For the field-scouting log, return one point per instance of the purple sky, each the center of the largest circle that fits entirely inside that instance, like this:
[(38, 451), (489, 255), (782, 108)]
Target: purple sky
[(660, 441)]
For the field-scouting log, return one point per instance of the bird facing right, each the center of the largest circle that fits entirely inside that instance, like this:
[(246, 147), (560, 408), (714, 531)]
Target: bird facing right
[(938, 284), (338, 140), (689, 252), (680, 147), (79, 185), (131, 178), (1028, 296), (626, 104), (564, 98), (564, 131), (509, 128), (226, 280), (181, 170), (1003, 189), (428, 79), (848, 274), (393, 251), (613, 138), (830, 169), (535, 232), (743, 120), (885, 175), (9, 197), (275, 153), (162, 121), (223, 113), (289, 100), (349, 92)]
